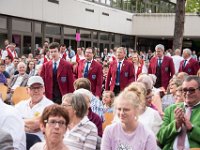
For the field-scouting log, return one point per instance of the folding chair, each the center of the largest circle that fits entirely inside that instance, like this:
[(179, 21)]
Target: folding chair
[(108, 119), (3, 91), (20, 93)]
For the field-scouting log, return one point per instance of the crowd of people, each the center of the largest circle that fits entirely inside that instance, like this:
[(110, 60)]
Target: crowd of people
[(154, 98)]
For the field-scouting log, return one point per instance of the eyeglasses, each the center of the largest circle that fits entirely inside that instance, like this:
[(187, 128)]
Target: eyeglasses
[(36, 88), (189, 90), (54, 123), (88, 52)]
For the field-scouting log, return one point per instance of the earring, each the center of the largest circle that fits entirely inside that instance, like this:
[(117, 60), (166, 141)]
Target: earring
[(136, 118)]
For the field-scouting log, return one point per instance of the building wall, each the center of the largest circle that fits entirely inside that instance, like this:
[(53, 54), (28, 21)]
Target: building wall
[(73, 13), (70, 12), (163, 25)]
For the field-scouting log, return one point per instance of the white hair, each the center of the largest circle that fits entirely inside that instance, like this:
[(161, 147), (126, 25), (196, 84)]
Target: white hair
[(160, 46), (21, 64), (188, 51), (84, 92), (147, 80), (153, 77)]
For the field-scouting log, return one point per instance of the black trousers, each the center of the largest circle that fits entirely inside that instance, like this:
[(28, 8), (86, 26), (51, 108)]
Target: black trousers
[(117, 90)]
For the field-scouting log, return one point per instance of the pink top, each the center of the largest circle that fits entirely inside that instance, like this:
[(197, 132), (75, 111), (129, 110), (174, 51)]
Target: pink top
[(114, 138)]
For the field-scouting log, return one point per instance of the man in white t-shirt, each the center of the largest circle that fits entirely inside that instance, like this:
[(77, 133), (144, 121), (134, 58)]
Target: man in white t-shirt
[(177, 59), (32, 108)]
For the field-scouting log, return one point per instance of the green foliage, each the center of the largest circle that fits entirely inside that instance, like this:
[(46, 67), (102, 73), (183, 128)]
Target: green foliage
[(192, 6)]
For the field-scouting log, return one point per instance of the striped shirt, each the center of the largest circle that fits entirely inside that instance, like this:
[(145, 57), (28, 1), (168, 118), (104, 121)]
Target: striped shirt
[(83, 136), (97, 107)]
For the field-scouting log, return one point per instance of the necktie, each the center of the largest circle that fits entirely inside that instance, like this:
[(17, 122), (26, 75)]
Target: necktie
[(184, 64), (183, 133), (118, 73), (86, 70), (54, 67), (159, 62)]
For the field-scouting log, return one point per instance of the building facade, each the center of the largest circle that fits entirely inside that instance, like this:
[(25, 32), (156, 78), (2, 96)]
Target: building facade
[(99, 23)]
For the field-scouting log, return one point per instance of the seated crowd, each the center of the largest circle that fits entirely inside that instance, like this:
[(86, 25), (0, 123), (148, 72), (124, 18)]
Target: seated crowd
[(71, 95)]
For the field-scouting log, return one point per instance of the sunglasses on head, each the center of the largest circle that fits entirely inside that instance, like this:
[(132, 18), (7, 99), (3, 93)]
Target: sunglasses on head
[(189, 90)]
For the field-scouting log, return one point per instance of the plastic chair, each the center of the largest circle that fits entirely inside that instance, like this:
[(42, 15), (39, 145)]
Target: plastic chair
[(3, 91), (108, 119), (20, 93)]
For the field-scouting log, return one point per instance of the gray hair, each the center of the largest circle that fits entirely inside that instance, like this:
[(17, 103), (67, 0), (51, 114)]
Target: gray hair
[(21, 64), (78, 103), (188, 51), (193, 77), (147, 80), (160, 46), (84, 92), (123, 49), (153, 77)]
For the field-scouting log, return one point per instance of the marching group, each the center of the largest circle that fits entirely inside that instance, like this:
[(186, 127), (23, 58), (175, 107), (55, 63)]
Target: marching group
[(154, 99)]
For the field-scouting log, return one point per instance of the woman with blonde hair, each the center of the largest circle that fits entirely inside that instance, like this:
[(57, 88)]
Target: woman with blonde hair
[(128, 133), (169, 98), (139, 66), (149, 117), (108, 100)]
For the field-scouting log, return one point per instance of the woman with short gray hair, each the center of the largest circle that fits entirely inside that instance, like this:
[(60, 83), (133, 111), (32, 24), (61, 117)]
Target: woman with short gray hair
[(82, 133)]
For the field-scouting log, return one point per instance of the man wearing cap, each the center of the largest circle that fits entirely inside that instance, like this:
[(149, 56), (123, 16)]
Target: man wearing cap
[(10, 51), (32, 108)]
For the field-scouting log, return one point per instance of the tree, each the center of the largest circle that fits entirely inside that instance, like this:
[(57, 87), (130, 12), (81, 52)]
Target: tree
[(192, 6), (179, 24)]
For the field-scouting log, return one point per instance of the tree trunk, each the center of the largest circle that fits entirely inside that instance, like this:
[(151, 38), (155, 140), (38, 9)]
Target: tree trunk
[(179, 24)]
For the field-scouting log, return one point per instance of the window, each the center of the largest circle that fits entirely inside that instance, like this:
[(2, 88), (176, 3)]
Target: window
[(104, 36), (117, 39), (95, 35), (53, 29), (3, 23), (69, 32), (21, 25), (85, 34), (38, 28), (54, 1)]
